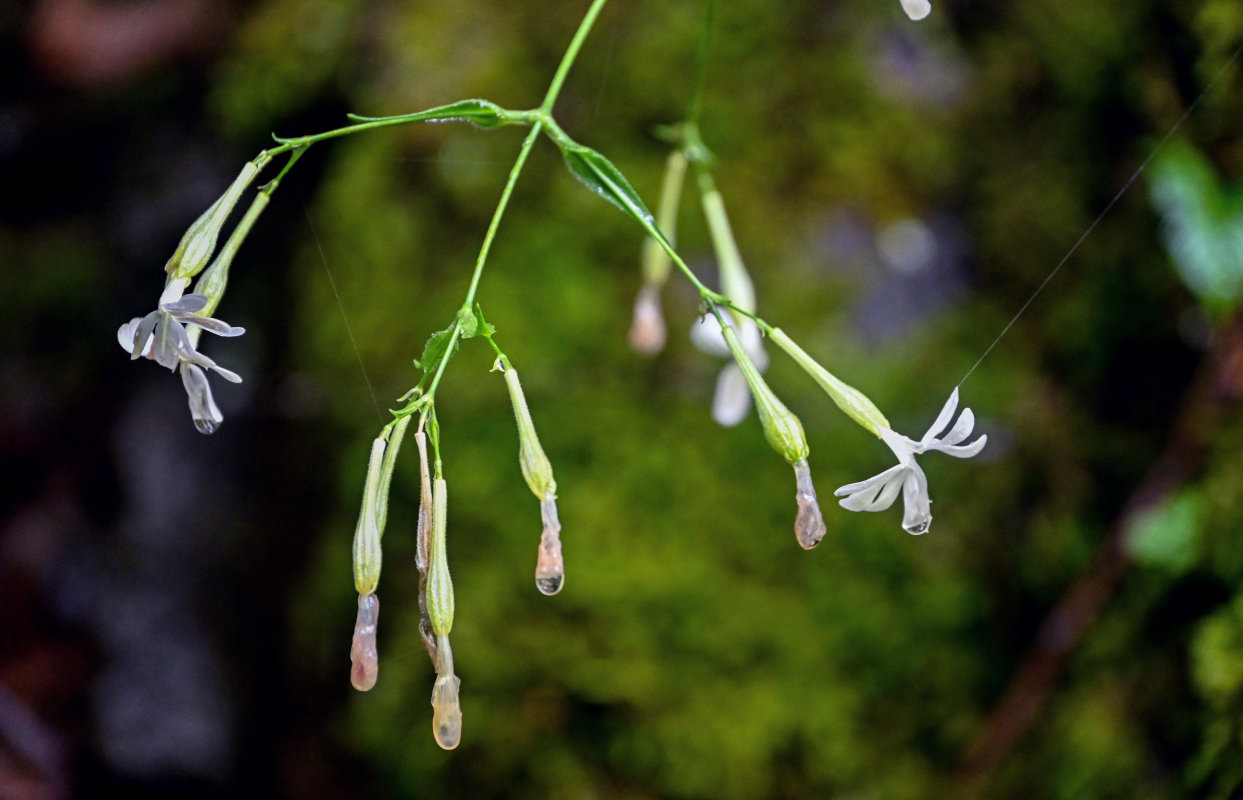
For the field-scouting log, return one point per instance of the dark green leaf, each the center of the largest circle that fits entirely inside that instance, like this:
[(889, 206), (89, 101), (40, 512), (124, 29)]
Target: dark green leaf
[(437, 344), (482, 113), (606, 180)]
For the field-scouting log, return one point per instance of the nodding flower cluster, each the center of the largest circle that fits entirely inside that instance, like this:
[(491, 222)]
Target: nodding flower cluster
[(169, 335), (731, 329), (436, 597)]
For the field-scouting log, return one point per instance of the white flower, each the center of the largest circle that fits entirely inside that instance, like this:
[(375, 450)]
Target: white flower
[(916, 9), (732, 400), (878, 492), (164, 336), (164, 339)]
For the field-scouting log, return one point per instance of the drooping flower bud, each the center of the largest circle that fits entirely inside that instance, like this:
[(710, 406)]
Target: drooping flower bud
[(536, 468), (439, 583), (367, 532), (199, 242), (422, 545), (782, 429), (853, 402), (364, 657), (647, 330), (374, 513)]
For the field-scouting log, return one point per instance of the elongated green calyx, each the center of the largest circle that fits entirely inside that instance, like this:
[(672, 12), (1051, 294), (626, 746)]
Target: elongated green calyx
[(781, 428), (536, 468), (439, 584), (199, 241), (656, 263), (374, 513), (855, 403)]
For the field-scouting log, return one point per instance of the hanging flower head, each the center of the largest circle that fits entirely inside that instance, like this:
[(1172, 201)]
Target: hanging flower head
[(917, 9), (878, 492)]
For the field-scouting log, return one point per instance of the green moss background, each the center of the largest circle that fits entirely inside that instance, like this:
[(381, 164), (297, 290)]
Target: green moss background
[(696, 651)]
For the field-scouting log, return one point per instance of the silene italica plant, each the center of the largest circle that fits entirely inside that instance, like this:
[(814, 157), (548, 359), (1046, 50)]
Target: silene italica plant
[(728, 326)]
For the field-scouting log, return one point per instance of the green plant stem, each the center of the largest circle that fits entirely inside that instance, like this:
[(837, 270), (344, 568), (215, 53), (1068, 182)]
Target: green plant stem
[(571, 53)]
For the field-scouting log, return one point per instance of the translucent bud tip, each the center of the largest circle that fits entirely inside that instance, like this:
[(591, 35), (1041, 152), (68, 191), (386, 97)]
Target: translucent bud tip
[(363, 655), (647, 331), (446, 712), (550, 567), (809, 524)]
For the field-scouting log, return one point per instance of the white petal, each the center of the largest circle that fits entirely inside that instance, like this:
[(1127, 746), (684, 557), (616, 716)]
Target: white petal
[(961, 430), (963, 450), (869, 483), (733, 397), (943, 419), (203, 409), (228, 375), (187, 304), (917, 516), (875, 498), (126, 333), (917, 9), (753, 343), (706, 335)]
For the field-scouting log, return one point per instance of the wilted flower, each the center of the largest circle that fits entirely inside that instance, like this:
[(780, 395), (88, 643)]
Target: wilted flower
[(917, 9), (878, 492)]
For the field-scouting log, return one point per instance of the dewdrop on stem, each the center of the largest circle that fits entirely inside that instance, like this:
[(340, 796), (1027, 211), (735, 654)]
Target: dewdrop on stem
[(446, 701), (364, 658)]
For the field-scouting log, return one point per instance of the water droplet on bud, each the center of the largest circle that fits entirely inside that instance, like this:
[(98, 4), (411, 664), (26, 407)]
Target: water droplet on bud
[(809, 525), (550, 566), (363, 655)]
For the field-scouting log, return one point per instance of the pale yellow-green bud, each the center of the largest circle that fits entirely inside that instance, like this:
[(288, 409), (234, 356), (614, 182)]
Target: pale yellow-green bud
[(855, 403), (374, 513), (536, 468), (368, 531), (781, 428), (199, 242), (439, 583)]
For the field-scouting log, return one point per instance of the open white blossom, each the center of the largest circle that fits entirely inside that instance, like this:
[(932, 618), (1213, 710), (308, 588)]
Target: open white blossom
[(917, 9), (161, 336), (878, 492)]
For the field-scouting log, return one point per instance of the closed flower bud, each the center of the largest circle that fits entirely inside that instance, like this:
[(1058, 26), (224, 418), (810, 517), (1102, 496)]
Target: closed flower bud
[(374, 513), (781, 428), (368, 531), (439, 583), (855, 403), (199, 242), (536, 468)]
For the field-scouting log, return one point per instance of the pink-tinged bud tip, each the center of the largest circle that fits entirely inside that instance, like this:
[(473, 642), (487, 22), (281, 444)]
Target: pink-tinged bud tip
[(364, 657), (809, 525)]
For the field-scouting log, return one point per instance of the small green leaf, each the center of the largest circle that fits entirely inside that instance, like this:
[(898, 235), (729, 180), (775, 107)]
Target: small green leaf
[(467, 323), (483, 113), (437, 344), (606, 180), (486, 329)]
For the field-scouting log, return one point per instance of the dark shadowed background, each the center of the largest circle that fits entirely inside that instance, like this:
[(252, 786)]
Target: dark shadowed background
[(176, 609)]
